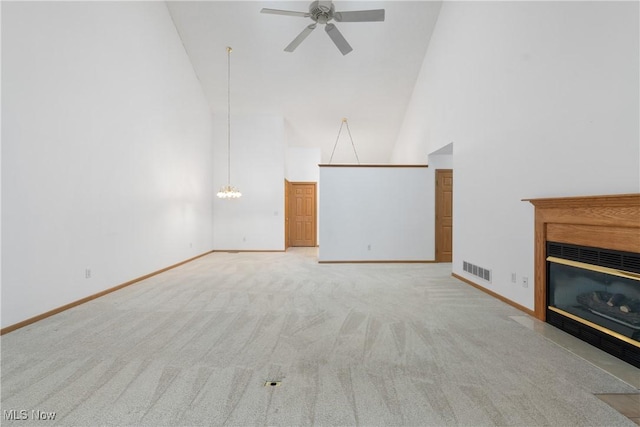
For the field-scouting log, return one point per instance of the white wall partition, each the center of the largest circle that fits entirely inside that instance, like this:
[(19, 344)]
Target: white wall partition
[(302, 164), (541, 100), (256, 220), (374, 214), (106, 151)]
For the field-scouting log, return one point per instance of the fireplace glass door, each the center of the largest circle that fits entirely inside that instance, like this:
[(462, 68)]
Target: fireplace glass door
[(604, 298)]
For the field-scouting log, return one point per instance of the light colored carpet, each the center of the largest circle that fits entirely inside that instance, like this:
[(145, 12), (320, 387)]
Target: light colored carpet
[(367, 344)]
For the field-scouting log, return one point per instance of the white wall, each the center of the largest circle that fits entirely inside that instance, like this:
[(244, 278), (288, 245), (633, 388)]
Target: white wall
[(256, 220), (0, 169), (541, 100), (106, 151), (374, 214), (301, 164)]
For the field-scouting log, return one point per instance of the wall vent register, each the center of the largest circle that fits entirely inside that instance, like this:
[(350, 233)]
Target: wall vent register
[(483, 273)]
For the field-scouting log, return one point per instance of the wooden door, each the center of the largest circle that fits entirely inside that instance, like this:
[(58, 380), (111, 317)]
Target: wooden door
[(444, 215), (302, 224)]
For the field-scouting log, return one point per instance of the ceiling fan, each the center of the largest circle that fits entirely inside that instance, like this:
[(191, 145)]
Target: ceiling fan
[(321, 12)]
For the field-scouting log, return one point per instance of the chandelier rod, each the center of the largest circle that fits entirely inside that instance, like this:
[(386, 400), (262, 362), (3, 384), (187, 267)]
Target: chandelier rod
[(229, 115), (227, 191), (352, 144), (344, 121)]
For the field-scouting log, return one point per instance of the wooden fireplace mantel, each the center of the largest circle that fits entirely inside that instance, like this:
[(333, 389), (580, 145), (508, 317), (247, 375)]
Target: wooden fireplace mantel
[(609, 222)]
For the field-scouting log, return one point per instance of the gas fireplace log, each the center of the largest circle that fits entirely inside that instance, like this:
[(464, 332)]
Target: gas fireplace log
[(600, 296), (616, 300), (631, 306)]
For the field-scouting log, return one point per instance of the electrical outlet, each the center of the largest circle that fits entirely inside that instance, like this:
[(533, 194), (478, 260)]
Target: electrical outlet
[(369, 247), (513, 278), (87, 273), (525, 282)]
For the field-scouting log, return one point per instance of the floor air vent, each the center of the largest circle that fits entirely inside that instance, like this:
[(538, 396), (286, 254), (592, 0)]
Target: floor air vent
[(272, 383), (480, 272)]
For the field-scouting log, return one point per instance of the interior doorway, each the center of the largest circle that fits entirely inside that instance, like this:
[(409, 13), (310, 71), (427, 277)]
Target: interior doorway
[(300, 214), (444, 215)]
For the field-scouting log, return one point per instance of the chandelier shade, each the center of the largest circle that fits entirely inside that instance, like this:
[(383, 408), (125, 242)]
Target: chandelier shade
[(228, 191)]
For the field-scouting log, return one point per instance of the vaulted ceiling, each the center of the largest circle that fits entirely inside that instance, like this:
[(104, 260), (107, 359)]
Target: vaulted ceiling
[(316, 86)]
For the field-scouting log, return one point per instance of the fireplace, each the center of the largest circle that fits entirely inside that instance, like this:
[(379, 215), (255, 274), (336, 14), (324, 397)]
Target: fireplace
[(594, 294), (587, 269)]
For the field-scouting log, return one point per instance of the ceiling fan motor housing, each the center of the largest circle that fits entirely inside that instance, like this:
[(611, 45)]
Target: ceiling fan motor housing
[(321, 11)]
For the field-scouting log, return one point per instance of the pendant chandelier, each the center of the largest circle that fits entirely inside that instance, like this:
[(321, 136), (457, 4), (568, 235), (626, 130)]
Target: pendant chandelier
[(228, 191)]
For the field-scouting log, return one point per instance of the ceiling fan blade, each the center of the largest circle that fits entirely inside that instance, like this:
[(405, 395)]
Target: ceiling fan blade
[(338, 39), (285, 12), (375, 15), (303, 35)]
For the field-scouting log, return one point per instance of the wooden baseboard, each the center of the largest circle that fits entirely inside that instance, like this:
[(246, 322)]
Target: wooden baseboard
[(233, 251), (65, 307), (379, 262), (495, 295)]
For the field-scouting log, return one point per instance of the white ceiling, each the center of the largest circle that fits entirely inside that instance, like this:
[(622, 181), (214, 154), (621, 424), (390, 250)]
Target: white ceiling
[(316, 86)]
